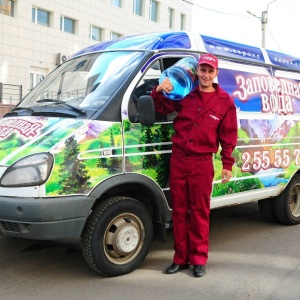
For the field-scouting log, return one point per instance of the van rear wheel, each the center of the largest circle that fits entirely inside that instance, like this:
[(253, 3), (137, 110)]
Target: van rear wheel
[(117, 236), (287, 205), (267, 209)]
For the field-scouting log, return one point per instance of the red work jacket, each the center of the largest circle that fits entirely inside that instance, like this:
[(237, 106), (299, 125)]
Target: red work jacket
[(198, 129)]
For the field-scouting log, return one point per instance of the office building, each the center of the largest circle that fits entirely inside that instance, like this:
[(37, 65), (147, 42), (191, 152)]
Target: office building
[(36, 35)]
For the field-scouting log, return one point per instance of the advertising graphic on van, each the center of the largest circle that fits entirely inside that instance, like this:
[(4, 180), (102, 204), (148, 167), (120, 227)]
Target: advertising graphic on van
[(222, 47), (284, 60), (24, 127), (85, 157), (277, 95)]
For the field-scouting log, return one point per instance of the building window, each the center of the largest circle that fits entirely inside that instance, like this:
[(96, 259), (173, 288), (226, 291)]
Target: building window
[(171, 18), (182, 22), (138, 7), (7, 7), (40, 16), (95, 33), (116, 3), (35, 79), (153, 11), (114, 35), (67, 25)]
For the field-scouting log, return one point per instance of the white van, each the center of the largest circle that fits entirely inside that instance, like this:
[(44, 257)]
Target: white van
[(84, 156)]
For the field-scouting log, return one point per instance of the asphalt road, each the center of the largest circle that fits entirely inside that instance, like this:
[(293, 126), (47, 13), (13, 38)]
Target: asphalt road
[(249, 259)]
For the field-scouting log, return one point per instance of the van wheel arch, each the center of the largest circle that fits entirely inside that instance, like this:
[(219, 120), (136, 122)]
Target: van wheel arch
[(144, 190)]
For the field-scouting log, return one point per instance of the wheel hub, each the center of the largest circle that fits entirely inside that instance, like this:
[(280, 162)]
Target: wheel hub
[(127, 239), (294, 202)]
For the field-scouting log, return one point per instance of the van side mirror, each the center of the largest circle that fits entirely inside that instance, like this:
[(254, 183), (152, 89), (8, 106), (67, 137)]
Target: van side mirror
[(146, 111)]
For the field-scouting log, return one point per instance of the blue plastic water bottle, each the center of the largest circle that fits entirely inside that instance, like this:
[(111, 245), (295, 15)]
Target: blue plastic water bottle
[(182, 76)]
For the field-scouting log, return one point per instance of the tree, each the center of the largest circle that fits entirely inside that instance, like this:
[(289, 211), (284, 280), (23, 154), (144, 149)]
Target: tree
[(73, 173), (163, 161), (102, 161), (114, 162), (149, 161)]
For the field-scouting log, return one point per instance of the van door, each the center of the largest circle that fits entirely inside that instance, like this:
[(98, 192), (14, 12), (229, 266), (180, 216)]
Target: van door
[(255, 172), (148, 149)]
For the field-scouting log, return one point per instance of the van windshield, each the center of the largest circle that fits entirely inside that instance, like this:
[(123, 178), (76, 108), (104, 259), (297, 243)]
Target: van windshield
[(84, 82)]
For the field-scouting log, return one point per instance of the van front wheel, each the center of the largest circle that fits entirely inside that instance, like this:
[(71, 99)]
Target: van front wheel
[(287, 205), (117, 236)]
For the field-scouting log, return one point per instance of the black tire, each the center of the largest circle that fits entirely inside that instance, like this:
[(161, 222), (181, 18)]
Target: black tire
[(117, 236), (287, 205), (267, 209)]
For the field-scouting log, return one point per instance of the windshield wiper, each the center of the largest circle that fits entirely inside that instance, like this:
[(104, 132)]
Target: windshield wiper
[(62, 102), (19, 108)]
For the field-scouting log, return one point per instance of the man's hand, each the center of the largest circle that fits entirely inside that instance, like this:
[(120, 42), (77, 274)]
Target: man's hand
[(226, 175), (165, 86)]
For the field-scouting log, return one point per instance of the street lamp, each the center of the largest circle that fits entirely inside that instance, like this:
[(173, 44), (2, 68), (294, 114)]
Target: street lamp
[(264, 21)]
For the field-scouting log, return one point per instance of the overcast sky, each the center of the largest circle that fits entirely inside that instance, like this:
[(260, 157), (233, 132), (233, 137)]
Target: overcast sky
[(229, 20)]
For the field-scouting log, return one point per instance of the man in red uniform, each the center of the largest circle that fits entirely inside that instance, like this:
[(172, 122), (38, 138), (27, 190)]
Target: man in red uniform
[(206, 118)]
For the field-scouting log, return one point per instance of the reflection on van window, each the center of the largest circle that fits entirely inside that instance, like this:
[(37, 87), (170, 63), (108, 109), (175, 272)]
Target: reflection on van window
[(144, 87), (148, 81), (85, 82)]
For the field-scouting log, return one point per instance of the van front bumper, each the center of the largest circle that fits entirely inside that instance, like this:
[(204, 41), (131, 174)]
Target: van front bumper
[(59, 218)]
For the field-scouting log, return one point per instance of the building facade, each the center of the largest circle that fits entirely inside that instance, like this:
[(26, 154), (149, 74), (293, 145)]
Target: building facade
[(36, 35)]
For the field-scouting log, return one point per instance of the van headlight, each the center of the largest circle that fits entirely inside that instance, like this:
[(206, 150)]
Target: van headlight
[(28, 171)]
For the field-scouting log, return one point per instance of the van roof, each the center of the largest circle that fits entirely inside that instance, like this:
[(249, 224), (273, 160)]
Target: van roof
[(180, 40)]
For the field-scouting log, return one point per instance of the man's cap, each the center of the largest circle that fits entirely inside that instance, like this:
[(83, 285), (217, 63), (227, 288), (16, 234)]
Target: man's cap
[(208, 59)]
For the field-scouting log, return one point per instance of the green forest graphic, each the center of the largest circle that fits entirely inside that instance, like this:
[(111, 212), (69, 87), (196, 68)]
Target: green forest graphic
[(74, 175), (73, 172), (152, 157), (82, 161), (290, 142)]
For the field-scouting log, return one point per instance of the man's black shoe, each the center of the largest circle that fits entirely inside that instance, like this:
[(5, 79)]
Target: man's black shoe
[(174, 268), (199, 270)]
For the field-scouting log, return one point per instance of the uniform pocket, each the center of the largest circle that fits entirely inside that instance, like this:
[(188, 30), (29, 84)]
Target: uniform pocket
[(215, 115)]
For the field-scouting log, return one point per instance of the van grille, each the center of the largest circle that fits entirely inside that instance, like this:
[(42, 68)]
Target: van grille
[(10, 226)]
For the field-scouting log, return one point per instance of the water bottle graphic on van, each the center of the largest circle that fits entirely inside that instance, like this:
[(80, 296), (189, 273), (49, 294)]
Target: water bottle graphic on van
[(183, 77)]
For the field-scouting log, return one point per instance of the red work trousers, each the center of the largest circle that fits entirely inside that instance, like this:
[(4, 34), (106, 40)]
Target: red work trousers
[(191, 178)]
